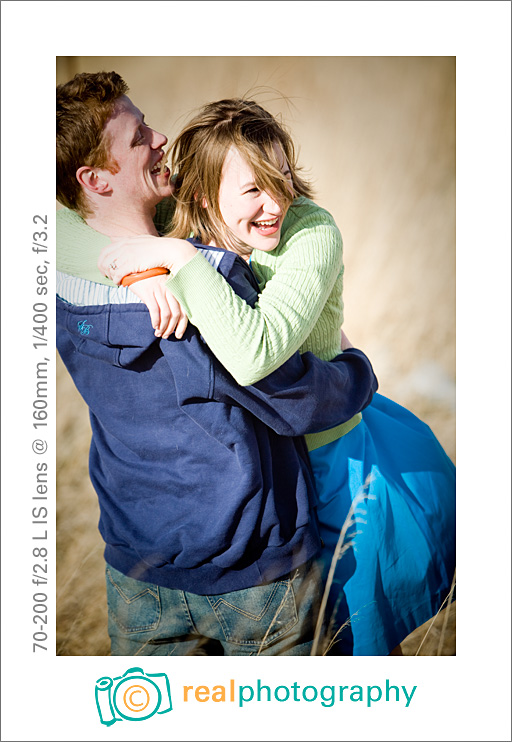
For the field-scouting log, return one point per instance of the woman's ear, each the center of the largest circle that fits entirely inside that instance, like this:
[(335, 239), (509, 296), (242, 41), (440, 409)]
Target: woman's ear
[(204, 202), (93, 180)]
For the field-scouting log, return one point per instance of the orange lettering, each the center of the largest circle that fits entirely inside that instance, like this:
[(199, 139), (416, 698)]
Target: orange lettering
[(186, 689), (202, 690), (220, 692)]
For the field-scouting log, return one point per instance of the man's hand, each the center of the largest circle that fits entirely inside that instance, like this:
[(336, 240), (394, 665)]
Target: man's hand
[(166, 313)]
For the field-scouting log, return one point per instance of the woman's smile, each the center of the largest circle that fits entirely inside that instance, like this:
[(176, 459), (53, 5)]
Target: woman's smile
[(267, 227)]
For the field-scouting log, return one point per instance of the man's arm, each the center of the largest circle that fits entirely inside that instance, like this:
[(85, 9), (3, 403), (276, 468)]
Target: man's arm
[(312, 395), (305, 395)]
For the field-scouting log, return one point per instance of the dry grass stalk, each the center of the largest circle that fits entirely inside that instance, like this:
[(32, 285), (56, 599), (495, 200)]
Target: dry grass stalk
[(278, 611), (446, 616), (445, 602), (339, 551)]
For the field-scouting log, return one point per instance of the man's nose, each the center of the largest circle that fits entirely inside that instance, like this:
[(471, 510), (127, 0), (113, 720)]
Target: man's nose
[(158, 140)]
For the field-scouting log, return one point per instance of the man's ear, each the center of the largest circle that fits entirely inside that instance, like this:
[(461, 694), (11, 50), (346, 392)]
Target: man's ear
[(93, 180)]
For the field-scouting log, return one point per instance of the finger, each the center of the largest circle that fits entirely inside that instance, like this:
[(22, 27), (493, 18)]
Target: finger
[(168, 318), (107, 256), (118, 270), (165, 317), (154, 311), (174, 313), (118, 274), (110, 268), (170, 327), (181, 326)]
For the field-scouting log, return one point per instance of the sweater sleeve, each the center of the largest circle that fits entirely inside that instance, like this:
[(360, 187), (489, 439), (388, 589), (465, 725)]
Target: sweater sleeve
[(78, 247), (251, 342)]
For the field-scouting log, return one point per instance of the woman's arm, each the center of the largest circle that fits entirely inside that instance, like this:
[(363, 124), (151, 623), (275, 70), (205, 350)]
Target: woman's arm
[(78, 249), (79, 246), (251, 342)]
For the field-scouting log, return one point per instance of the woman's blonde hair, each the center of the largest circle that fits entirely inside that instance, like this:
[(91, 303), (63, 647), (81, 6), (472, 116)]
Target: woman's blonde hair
[(197, 157)]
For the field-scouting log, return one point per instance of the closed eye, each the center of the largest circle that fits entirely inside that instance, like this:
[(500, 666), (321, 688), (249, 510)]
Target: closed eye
[(141, 131)]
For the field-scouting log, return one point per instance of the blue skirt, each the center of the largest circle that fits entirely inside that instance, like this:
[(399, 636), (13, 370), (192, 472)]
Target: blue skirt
[(393, 478)]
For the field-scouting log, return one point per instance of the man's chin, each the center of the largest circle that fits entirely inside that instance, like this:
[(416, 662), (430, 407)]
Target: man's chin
[(163, 186), (168, 190), (162, 190)]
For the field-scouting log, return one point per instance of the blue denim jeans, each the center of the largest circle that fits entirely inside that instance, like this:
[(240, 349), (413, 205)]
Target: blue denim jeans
[(271, 619)]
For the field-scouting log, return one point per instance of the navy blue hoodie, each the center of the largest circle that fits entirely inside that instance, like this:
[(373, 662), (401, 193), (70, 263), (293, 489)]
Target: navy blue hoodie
[(203, 485)]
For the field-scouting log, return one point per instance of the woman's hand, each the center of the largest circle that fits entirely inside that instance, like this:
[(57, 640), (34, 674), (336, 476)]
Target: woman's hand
[(345, 342), (166, 313), (130, 255), (136, 254)]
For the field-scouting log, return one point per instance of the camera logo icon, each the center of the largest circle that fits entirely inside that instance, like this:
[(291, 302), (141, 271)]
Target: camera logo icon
[(134, 696)]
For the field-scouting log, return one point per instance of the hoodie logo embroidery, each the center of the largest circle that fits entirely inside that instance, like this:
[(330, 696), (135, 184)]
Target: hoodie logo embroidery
[(83, 327)]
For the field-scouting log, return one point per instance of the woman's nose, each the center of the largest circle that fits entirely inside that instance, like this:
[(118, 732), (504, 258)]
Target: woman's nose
[(270, 204)]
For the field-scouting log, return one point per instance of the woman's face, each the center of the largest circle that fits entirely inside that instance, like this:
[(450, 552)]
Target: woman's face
[(252, 215)]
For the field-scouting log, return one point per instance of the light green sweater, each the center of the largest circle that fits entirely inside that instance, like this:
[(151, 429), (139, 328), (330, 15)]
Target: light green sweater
[(300, 307)]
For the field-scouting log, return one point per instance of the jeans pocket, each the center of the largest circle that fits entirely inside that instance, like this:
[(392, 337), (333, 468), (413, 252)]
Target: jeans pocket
[(256, 616), (133, 605)]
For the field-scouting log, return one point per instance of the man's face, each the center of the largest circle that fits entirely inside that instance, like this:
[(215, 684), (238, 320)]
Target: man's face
[(137, 150)]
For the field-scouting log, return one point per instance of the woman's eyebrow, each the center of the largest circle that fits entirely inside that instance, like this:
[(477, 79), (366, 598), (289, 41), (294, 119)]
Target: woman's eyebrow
[(251, 182)]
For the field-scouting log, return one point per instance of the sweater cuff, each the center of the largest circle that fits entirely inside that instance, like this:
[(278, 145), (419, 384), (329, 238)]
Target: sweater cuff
[(317, 440)]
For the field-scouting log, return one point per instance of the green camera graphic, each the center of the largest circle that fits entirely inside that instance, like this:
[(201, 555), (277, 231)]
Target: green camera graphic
[(134, 696)]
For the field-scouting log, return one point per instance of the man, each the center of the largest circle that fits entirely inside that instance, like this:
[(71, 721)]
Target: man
[(206, 495)]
